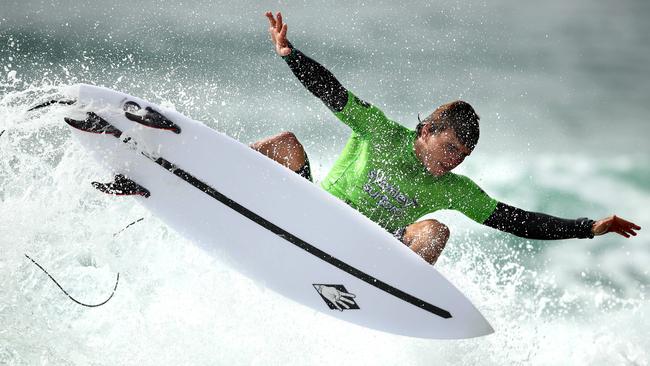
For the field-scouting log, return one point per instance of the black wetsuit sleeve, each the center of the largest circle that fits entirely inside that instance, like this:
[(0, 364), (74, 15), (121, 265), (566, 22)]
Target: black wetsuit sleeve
[(535, 225), (317, 79)]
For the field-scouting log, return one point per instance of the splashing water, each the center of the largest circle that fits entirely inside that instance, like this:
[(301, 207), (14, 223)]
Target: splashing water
[(568, 302)]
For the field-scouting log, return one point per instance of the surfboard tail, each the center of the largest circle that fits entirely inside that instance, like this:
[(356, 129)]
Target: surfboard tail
[(151, 117), (94, 124)]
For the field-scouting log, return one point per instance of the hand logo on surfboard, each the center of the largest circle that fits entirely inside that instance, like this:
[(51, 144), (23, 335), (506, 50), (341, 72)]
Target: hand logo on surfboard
[(337, 297)]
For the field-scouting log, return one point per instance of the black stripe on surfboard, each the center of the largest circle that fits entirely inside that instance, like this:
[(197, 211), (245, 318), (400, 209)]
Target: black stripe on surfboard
[(299, 242)]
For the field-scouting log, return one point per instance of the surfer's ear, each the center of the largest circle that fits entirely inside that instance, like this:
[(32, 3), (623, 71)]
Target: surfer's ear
[(425, 130)]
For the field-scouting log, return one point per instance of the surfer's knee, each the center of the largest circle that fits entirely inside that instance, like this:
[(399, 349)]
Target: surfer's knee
[(427, 238), (288, 137), (285, 148), (295, 153), (428, 230), (440, 231), (275, 141)]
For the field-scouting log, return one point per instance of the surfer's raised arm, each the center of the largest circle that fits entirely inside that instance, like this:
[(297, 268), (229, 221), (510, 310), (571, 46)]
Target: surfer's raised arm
[(316, 78), (536, 225), (362, 117)]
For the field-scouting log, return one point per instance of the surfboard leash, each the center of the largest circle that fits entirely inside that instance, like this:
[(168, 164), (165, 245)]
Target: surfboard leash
[(127, 226), (66, 292), (50, 102)]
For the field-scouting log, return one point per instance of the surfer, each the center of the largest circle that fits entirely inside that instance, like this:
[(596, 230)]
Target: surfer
[(395, 175)]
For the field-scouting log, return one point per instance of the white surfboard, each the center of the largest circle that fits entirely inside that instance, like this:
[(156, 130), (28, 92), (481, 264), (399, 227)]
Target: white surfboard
[(273, 225)]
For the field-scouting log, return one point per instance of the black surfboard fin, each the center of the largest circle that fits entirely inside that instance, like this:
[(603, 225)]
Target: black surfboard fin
[(151, 118), (122, 186), (50, 102), (94, 124)]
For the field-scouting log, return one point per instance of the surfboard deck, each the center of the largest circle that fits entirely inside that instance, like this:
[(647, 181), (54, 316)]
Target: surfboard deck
[(271, 224)]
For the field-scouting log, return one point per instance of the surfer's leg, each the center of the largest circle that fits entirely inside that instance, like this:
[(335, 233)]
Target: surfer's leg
[(427, 238), (286, 150)]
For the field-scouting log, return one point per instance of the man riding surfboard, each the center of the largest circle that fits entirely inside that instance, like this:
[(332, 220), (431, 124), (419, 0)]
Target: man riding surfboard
[(394, 175)]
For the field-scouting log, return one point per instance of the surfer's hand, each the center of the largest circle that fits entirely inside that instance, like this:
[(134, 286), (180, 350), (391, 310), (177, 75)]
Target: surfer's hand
[(615, 224), (278, 32)]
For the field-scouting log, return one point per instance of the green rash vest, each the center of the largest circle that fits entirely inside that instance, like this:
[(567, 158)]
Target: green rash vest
[(379, 175)]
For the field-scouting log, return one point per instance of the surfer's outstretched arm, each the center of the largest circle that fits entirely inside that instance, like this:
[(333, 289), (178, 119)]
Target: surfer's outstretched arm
[(316, 78), (535, 225)]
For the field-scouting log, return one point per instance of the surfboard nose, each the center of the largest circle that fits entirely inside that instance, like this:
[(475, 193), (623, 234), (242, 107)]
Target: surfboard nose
[(479, 327)]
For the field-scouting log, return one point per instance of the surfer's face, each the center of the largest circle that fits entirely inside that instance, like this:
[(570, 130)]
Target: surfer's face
[(441, 152)]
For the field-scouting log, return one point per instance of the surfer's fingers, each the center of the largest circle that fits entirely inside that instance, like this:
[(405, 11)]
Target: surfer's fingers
[(631, 225), (278, 25), (626, 227), (623, 233), (348, 294), (283, 33), (269, 15), (626, 224)]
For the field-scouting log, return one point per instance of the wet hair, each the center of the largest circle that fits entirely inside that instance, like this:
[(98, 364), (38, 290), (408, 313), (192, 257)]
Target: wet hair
[(459, 116)]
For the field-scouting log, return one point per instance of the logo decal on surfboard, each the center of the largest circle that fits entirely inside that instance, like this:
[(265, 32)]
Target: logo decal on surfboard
[(336, 297)]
